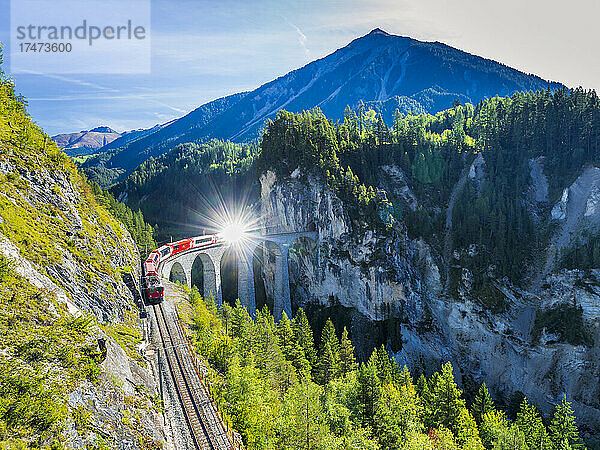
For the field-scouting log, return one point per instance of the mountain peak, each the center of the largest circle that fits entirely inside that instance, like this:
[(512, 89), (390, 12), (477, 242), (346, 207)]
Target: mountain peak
[(375, 31), (102, 129), (385, 71)]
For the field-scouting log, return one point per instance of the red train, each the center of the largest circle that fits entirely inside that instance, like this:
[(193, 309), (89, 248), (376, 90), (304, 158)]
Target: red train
[(152, 288)]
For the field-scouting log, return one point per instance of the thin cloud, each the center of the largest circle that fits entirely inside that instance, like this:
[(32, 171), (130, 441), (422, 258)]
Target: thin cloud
[(75, 98), (302, 39), (72, 81)]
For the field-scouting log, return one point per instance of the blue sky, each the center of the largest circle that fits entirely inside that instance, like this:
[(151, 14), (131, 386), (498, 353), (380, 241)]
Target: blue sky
[(202, 50)]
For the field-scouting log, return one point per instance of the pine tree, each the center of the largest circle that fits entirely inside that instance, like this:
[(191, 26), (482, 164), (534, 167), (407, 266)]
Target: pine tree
[(241, 322), (286, 336), (381, 360), (466, 431), (404, 378), (510, 438), (530, 423), (563, 429), (328, 364), (422, 386), (347, 359), (291, 349), (493, 424), (482, 403), (304, 337), (446, 398), (448, 408), (424, 392), (329, 354), (368, 393)]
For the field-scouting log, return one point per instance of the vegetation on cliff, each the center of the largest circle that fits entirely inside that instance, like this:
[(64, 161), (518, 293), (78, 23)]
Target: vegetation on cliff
[(45, 354), (50, 217), (434, 152)]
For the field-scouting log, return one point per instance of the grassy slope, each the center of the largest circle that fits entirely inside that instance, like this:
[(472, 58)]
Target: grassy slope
[(45, 352)]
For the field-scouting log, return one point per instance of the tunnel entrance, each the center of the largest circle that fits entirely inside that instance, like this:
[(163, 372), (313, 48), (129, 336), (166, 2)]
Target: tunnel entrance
[(229, 276)]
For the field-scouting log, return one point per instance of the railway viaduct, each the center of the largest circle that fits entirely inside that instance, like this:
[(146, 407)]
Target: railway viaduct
[(179, 268)]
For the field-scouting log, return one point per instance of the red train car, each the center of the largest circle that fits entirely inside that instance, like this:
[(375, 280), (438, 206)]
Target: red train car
[(152, 288), (181, 246)]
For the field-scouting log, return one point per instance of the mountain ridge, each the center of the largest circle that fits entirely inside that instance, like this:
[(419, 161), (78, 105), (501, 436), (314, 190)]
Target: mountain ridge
[(86, 141), (425, 76)]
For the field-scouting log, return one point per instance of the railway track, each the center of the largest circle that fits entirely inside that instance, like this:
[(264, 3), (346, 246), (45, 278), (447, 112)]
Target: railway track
[(206, 429)]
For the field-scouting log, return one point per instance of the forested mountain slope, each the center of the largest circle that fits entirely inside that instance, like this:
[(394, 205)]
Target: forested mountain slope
[(281, 385), (68, 325), (383, 70), (179, 190), (122, 155), (468, 236)]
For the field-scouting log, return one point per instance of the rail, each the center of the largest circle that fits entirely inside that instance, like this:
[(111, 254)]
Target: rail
[(234, 438), (202, 428)]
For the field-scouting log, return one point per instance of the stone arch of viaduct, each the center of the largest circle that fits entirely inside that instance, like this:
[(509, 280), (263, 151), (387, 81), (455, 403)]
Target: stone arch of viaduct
[(180, 268)]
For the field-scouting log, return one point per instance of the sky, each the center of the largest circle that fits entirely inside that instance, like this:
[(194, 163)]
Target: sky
[(202, 50)]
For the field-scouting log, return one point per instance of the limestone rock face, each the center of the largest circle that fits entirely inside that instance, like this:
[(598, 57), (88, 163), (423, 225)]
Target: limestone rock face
[(371, 273), (390, 276), (105, 296), (120, 406)]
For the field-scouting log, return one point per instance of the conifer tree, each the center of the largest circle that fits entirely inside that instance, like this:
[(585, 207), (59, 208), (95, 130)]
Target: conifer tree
[(530, 423), (381, 360), (368, 392), (291, 349), (241, 322), (422, 386), (482, 403), (446, 398), (563, 429), (329, 354), (511, 438), (304, 337), (398, 414), (347, 359), (448, 408), (493, 424), (286, 336), (328, 364), (424, 392), (404, 378)]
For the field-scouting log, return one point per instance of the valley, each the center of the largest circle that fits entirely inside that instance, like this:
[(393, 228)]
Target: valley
[(419, 264)]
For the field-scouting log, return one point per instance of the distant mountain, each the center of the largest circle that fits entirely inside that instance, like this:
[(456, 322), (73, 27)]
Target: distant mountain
[(185, 129), (85, 142), (382, 70), (133, 135)]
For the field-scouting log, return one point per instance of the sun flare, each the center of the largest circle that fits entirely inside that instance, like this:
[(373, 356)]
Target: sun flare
[(234, 232)]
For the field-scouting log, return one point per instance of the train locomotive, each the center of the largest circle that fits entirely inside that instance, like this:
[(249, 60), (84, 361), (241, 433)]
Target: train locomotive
[(152, 289)]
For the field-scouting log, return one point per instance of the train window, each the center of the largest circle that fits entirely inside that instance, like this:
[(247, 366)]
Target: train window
[(201, 241), (165, 252)]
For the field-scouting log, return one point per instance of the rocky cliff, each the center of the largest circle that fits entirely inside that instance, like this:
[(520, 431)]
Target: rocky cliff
[(389, 289), (71, 372)]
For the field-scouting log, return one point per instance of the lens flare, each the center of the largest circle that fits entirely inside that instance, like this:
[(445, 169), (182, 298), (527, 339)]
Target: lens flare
[(234, 233)]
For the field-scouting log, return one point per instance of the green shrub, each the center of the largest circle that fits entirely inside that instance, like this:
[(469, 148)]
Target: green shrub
[(566, 321)]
